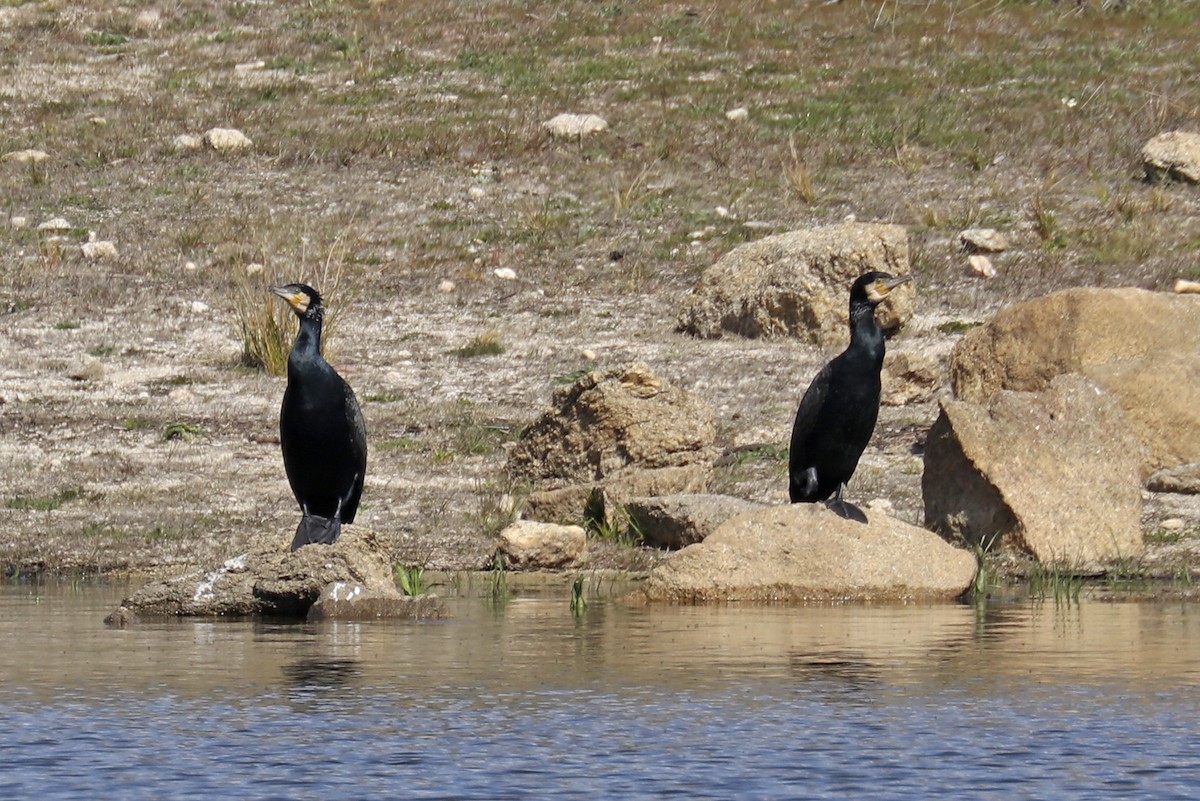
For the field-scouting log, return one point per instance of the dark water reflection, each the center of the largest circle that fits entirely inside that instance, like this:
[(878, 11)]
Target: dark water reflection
[(523, 701)]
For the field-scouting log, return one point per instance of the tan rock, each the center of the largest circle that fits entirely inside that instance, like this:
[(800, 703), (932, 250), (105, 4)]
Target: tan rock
[(797, 284), (529, 545), (1053, 474), (610, 421), (604, 501), (271, 580), (908, 378), (1140, 346), (574, 126), (674, 521), (804, 552), (27, 156), (226, 140), (983, 240), (1174, 155)]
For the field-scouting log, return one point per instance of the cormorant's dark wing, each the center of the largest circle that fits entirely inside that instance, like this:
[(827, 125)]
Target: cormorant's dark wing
[(358, 427), (810, 409)]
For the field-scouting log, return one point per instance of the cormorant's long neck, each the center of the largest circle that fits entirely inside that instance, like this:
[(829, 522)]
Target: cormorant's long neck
[(865, 336), (307, 347)]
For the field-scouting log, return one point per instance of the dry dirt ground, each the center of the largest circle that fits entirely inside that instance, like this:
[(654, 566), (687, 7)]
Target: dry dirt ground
[(398, 148)]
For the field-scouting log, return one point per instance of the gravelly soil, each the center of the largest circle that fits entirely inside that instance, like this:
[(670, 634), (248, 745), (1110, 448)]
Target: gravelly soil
[(131, 439)]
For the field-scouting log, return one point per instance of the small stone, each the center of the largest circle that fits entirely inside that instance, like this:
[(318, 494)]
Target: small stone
[(250, 66), (572, 126), (98, 250), (477, 192), (530, 545), (588, 355), (254, 268), (722, 211), (446, 287), (983, 240), (1174, 155), (17, 223), (189, 266), (99, 122), (56, 224), (1172, 524), (227, 140), (505, 273), (1182, 287), (186, 143), (85, 368), (737, 114), (981, 266), (26, 156), (200, 307)]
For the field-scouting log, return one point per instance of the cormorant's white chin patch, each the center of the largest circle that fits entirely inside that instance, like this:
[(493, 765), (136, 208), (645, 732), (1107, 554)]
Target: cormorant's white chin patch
[(877, 291), (299, 302)]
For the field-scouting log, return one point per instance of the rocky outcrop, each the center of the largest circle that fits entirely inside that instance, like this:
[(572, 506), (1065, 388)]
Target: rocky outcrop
[(1174, 155), (1139, 346), (613, 421), (796, 284), (604, 501), (1052, 474), (350, 579), (1184, 480), (675, 521), (529, 545), (908, 378), (804, 552)]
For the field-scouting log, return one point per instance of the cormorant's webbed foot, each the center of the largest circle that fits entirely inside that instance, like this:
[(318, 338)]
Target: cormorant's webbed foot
[(314, 528), (843, 508)]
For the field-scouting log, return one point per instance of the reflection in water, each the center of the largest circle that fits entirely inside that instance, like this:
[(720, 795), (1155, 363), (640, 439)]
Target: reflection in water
[(522, 699)]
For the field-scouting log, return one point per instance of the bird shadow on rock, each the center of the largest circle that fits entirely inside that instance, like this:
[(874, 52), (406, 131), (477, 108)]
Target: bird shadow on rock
[(846, 510)]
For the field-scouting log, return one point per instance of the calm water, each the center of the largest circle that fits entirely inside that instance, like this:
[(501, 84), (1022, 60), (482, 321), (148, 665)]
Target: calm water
[(519, 700)]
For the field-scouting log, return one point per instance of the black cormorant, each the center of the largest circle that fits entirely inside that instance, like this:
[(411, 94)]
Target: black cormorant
[(321, 429), (838, 412)]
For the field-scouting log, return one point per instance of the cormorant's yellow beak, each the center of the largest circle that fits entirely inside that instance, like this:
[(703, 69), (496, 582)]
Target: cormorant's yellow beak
[(878, 290), (296, 299)]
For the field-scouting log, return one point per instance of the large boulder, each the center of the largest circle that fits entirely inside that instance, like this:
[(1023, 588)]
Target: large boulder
[(797, 284), (613, 421), (1051, 474), (1142, 347), (351, 575), (805, 552)]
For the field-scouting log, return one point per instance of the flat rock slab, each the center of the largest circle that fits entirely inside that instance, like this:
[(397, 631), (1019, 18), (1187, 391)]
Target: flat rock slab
[(1174, 155), (805, 553), (351, 579)]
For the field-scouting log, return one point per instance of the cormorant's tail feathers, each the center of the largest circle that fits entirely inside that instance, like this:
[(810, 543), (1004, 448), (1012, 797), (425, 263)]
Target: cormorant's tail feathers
[(314, 529)]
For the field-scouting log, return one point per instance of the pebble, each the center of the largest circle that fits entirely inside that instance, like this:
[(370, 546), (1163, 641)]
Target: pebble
[(1172, 524), (227, 140), (505, 273), (250, 66), (186, 143), (1182, 287), (98, 250), (17, 222), (571, 126), (983, 240), (446, 286), (199, 307), (477, 192), (737, 114), (253, 268), (982, 266), (56, 224)]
